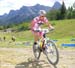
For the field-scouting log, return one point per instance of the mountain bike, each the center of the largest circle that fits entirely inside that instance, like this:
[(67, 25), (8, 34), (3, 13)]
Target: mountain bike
[(49, 49)]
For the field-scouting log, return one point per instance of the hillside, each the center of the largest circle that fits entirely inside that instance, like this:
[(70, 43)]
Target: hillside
[(64, 29), (64, 32)]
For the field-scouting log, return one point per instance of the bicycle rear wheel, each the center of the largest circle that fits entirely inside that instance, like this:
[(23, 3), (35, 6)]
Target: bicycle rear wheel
[(37, 52), (51, 52)]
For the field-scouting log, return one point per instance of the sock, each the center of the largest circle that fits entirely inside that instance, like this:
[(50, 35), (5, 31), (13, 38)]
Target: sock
[(35, 43)]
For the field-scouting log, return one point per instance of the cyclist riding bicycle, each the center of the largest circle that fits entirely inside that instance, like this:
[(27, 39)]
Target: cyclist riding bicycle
[(35, 25)]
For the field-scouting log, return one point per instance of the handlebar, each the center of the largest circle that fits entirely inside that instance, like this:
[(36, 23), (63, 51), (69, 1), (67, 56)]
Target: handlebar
[(46, 30)]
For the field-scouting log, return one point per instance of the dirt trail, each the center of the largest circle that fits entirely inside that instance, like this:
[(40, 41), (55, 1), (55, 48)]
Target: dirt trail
[(23, 58)]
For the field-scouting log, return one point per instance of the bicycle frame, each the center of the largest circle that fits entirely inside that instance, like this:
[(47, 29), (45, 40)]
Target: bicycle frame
[(45, 31)]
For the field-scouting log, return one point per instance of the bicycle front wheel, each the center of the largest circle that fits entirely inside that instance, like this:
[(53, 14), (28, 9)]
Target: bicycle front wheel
[(51, 52), (36, 52)]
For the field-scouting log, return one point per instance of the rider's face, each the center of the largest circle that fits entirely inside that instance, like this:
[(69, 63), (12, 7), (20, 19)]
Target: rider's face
[(42, 17)]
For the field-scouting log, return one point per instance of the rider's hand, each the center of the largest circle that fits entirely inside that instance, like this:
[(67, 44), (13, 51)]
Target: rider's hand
[(51, 28)]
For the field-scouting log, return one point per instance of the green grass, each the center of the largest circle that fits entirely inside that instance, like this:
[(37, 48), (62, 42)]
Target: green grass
[(64, 29), (64, 32)]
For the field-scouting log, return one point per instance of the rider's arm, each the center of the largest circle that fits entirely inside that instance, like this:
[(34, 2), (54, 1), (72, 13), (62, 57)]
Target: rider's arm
[(33, 22), (47, 23), (32, 25)]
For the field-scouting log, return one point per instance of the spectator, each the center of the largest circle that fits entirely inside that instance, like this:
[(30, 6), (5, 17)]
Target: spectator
[(13, 38)]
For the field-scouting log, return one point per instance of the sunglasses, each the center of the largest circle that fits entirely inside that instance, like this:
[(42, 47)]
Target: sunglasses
[(42, 16)]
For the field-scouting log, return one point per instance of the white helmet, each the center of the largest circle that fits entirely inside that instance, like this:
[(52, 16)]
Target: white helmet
[(42, 12)]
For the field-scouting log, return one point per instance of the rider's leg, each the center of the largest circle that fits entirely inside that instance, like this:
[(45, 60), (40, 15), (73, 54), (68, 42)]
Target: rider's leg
[(36, 37)]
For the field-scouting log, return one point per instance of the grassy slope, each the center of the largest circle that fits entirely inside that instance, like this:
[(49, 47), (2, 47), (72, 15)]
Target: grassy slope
[(64, 31)]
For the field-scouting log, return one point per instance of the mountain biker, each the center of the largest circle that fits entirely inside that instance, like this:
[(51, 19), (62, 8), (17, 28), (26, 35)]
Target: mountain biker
[(35, 25)]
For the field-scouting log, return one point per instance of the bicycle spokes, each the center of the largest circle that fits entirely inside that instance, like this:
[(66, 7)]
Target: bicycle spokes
[(51, 52)]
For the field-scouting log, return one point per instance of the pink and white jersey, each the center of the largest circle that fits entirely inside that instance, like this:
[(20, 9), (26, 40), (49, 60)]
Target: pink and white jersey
[(36, 22)]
